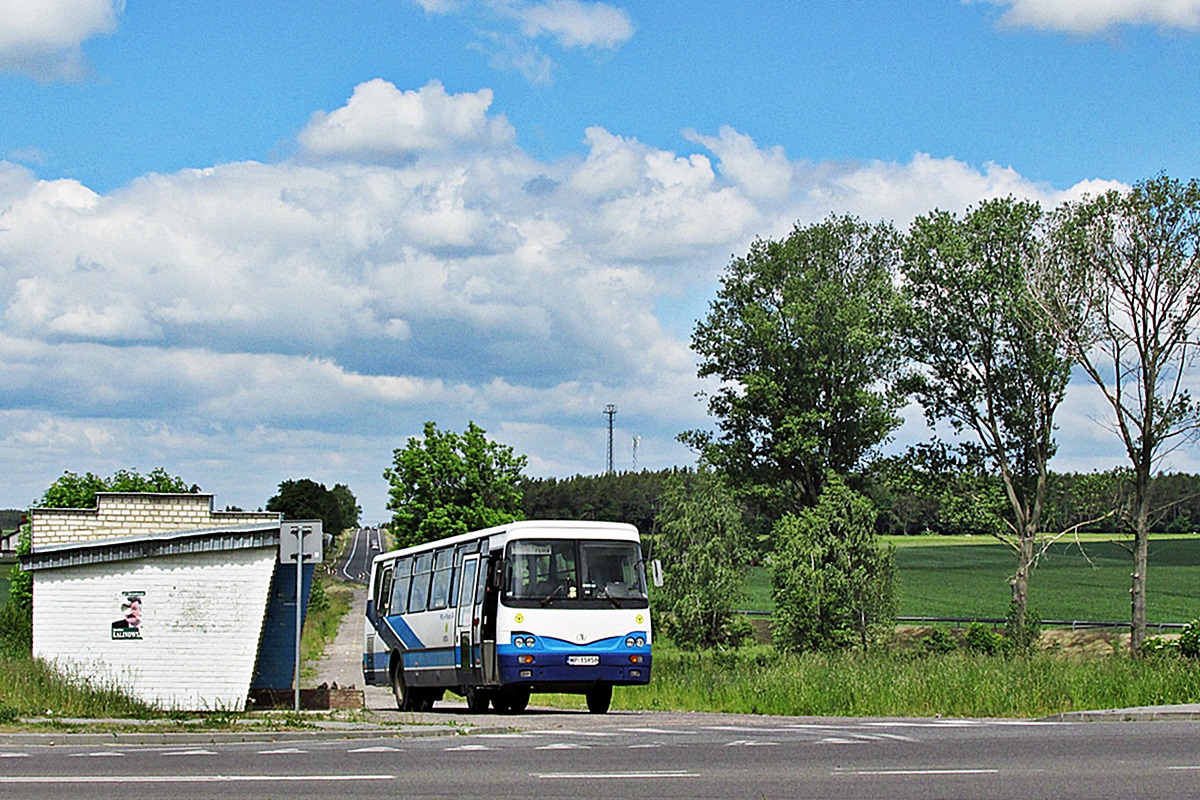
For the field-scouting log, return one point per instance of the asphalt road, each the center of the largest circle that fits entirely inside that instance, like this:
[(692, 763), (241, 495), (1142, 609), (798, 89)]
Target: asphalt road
[(364, 545), (552, 754)]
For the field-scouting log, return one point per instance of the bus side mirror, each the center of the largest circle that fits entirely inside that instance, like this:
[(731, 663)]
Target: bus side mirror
[(656, 572)]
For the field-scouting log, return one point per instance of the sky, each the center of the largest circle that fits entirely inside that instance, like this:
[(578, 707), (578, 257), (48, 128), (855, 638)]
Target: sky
[(254, 241)]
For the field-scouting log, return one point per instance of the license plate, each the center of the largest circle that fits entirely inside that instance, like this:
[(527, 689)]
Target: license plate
[(583, 661)]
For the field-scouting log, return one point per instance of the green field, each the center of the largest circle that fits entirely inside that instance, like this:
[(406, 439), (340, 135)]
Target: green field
[(964, 577)]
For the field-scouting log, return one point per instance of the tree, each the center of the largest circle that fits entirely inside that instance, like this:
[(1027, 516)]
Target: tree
[(351, 510), (446, 483), (307, 499), (834, 584), (801, 336), (987, 362), (1120, 286), (704, 547)]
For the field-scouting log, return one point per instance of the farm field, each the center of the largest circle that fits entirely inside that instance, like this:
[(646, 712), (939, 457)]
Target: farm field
[(968, 577)]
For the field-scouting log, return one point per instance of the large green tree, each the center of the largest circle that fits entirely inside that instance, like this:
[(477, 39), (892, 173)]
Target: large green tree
[(446, 483), (986, 361), (704, 547), (802, 339), (1120, 284), (307, 499)]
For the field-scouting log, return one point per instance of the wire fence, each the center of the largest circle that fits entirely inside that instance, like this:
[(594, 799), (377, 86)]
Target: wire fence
[(1073, 624)]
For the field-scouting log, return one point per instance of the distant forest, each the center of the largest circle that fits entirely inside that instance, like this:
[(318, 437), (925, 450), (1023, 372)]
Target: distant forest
[(909, 501)]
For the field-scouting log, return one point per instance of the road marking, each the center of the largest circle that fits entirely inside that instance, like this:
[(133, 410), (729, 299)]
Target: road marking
[(645, 746), (600, 776), (286, 751), (376, 750), (108, 754), (917, 772), (466, 748), (14, 755), (565, 746), (13, 779), (190, 753), (1186, 767), (750, 743), (661, 731)]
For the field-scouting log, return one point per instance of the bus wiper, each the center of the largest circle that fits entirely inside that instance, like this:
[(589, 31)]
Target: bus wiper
[(616, 603), (548, 599)]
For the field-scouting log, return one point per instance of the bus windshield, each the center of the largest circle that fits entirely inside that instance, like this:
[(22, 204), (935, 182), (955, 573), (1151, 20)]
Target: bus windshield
[(574, 573)]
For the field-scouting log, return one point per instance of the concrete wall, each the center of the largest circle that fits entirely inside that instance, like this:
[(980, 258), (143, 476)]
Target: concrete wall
[(202, 617), (120, 514)]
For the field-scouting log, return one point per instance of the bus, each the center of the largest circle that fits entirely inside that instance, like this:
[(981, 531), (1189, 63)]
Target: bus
[(497, 614)]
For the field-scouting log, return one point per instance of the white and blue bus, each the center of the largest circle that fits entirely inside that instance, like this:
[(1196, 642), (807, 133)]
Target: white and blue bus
[(500, 613)]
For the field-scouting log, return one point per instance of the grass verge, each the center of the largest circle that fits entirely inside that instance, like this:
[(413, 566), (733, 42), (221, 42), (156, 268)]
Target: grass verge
[(759, 680)]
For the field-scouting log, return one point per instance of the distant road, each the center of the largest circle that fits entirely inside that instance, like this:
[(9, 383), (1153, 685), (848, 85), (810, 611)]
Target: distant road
[(364, 546)]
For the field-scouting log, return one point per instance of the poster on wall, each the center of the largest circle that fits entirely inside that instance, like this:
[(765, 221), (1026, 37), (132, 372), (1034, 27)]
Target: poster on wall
[(129, 626)]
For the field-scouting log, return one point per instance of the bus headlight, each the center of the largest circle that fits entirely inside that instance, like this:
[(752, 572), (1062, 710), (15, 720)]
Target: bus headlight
[(524, 641)]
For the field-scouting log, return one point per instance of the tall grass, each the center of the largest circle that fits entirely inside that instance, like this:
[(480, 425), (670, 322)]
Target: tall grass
[(759, 680), (33, 687), (321, 625)]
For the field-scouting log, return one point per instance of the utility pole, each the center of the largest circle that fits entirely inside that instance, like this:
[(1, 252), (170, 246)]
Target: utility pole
[(610, 411)]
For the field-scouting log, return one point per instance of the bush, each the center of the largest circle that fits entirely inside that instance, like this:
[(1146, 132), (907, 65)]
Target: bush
[(939, 642), (984, 640), (834, 584), (1157, 646), (1024, 636), (16, 630), (1189, 640)]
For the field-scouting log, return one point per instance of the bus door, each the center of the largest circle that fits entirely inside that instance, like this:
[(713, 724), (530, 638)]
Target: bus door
[(491, 575), (466, 618)]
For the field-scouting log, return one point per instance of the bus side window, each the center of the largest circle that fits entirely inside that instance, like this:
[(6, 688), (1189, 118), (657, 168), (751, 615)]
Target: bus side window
[(422, 571), (383, 590), (400, 581), (439, 593)]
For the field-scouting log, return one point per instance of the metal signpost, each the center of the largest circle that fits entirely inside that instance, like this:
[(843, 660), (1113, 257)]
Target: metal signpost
[(300, 541)]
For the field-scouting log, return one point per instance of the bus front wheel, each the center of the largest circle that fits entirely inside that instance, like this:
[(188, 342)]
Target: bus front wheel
[(599, 698)]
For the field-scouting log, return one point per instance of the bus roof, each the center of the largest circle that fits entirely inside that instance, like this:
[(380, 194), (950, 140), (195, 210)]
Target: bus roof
[(538, 528)]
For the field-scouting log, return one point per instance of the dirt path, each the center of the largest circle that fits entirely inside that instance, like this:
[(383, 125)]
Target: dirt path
[(342, 662)]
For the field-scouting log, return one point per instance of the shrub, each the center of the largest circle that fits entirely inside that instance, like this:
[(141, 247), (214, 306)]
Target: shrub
[(1158, 646), (1189, 640), (939, 642), (834, 584), (982, 639)]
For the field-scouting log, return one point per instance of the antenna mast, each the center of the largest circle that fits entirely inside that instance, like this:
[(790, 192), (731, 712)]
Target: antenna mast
[(610, 411)]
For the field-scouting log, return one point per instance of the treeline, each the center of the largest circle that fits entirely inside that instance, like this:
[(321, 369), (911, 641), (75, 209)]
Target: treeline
[(950, 496)]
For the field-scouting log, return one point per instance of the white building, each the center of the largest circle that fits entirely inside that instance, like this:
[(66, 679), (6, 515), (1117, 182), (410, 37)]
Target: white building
[(161, 596)]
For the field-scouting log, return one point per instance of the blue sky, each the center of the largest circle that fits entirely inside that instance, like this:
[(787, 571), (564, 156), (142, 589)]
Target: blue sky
[(253, 241)]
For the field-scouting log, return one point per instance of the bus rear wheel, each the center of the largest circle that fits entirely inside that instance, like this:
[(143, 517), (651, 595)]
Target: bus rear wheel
[(599, 698), (477, 700), (404, 699)]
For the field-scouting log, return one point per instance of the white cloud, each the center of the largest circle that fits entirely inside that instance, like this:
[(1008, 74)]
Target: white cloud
[(576, 24), (44, 38), (382, 123), (1094, 16), (305, 317)]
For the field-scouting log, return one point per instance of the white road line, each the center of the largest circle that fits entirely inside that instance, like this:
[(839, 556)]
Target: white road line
[(14, 755), (565, 746), (660, 731), (39, 779), (376, 750), (750, 743), (916, 772), (286, 751), (466, 748), (190, 753), (107, 754), (599, 776)]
